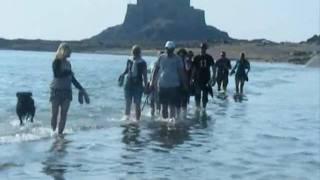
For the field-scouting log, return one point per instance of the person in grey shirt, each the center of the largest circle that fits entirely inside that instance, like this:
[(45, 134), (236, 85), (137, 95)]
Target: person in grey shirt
[(171, 76), (60, 87), (136, 81)]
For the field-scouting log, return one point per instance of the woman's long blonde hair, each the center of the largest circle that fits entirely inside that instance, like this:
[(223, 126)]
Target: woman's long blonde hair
[(62, 51)]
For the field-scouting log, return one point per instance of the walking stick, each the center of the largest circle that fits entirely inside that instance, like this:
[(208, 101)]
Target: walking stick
[(145, 102)]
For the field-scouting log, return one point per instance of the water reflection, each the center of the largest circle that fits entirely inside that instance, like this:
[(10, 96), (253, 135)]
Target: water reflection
[(130, 162), (170, 135), (131, 134), (239, 98), (202, 119), (53, 165), (222, 107)]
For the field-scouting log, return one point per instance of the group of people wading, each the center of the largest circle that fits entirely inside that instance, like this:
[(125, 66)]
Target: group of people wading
[(174, 78), (177, 76)]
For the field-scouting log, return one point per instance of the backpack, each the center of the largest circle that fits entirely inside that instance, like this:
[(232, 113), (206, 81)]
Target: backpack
[(137, 80)]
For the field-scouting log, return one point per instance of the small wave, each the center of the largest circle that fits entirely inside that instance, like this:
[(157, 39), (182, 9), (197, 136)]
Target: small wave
[(274, 137), (28, 132), (34, 134)]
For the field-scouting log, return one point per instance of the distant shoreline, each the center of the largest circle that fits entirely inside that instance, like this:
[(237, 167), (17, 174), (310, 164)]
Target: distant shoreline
[(295, 53)]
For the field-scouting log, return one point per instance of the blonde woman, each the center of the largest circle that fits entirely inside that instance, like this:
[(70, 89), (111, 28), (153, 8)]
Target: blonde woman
[(61, 91), (136, 81)]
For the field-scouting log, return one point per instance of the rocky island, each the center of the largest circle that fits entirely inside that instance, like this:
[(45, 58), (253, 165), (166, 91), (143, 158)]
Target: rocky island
[(159, 20)]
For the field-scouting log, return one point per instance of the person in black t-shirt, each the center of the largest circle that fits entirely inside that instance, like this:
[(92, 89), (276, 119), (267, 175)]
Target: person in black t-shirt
[(201, 75), (223, 65)]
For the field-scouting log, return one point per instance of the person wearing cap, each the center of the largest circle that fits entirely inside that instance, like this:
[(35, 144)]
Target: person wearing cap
[(223, 65), (201, 76), (169, 69), (241, 69), (136, 81)]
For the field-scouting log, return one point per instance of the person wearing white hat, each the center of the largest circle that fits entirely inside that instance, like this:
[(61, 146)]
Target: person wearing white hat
[(169, 68)]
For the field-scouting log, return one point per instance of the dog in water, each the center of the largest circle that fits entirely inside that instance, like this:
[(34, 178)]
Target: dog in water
[(25, 106)]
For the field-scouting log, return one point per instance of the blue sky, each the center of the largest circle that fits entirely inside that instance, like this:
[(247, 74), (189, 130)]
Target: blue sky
[(277, 20)]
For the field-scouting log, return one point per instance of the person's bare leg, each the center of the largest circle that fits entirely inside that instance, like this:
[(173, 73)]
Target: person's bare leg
[(172, 111), (204, 99), (241, 86), (164, 109), (219, 85), (63, 115), (184, 112), (225, 84), (128, 106), (178, 111), (197, 98), (237, 85), (153, 107), (138, 111), (54, 114)]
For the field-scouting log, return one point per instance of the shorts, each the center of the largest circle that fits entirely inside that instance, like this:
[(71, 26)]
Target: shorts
[(241, 77), (60, 95), (169, 96), (133, 93), (224, 79)]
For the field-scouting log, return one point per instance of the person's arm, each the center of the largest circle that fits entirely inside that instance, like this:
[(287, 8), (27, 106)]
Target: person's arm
[(213, 78), (145, 74), (155, 73), (234, 68), (182, 74), (248, 68), (229, 64), (57, 73), (213, 69), (76, 84), (126, 70)]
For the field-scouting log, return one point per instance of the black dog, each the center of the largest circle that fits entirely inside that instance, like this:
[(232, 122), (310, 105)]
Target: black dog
[(25, 106)]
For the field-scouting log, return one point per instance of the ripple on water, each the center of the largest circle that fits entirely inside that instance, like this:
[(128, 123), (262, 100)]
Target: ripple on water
[(277, 138)]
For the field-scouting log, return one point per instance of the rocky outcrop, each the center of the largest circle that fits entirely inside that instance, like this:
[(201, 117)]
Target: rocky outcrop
[(314, 39), (161, 20), (314, 61)]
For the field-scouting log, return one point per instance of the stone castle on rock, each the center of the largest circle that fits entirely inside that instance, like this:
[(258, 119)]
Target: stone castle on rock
[(161, 20)]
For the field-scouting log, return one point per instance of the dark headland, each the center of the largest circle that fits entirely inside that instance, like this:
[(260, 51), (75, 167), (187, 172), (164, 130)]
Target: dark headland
[(152, 22), (159, 20)]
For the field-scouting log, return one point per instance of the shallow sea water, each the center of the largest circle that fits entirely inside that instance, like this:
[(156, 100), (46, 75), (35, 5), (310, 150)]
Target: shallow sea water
[(274, 134)]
